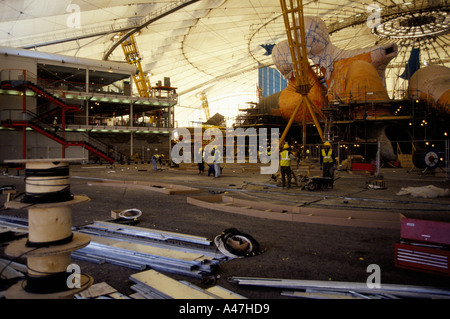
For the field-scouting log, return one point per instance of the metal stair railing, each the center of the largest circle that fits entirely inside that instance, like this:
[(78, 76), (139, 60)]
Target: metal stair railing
[(85, 139), (19, 77), (9, 116)]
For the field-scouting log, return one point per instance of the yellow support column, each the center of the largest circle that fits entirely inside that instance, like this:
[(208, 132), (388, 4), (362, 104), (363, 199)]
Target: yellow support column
[(295, 29)]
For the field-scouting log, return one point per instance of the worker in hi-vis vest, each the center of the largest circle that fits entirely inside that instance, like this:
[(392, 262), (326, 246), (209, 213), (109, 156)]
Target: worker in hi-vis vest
[(157, 158), (285, 165), (327, 160)]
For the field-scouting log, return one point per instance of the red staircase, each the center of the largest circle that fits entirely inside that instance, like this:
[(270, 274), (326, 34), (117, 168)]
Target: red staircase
[(57, 138), (21, 85), (35, 121)]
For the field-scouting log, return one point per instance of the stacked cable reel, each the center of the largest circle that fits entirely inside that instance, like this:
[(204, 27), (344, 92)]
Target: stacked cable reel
[(236, 244), (50, 241)]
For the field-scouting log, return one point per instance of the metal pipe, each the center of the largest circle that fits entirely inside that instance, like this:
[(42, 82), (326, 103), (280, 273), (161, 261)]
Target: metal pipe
[(394, 289)]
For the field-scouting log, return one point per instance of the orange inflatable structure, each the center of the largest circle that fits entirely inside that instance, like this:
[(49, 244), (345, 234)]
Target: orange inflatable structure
[(432, 84), (349, 75)]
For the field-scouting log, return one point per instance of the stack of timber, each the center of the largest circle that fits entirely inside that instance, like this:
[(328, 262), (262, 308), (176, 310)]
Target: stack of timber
[(355, 218), (151, 284), (139, 248)]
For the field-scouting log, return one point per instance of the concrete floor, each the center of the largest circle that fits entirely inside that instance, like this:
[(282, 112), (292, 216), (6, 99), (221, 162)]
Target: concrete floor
[(292, 250)]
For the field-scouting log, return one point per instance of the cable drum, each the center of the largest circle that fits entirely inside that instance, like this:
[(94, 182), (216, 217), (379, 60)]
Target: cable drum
[(50, 239), (235, 244), (47, 183), (49, 283), (431, 159), (426, 159)]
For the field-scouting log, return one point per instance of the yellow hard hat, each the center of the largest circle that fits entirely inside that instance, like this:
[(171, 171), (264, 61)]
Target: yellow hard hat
[(327, 143), (286, 146)]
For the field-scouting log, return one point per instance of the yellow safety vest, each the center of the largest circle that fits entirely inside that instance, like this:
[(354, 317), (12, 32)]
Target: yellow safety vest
[(327, 158), (217, 156), (285, 160)]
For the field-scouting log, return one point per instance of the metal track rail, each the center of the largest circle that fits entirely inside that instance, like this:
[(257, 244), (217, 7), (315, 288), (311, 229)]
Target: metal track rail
[(100, 253), (147, 233), (170, 252), (362, 289), (160, 250)]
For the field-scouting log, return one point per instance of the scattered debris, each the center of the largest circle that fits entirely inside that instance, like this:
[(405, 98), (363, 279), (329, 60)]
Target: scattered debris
[(132, 213), (375, 184), (429, 191), (217, 192), (9, 190)]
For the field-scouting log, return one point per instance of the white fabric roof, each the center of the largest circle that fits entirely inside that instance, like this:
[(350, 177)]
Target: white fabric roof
[(211, 46)]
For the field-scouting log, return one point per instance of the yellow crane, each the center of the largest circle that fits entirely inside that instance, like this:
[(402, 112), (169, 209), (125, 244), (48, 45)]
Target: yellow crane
[(205, 104), (295, 29), (141, 79)]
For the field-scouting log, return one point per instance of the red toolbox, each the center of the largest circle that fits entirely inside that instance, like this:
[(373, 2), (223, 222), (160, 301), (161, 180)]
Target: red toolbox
[(422, 258), (363, 167), (424, 246), (428, 231)]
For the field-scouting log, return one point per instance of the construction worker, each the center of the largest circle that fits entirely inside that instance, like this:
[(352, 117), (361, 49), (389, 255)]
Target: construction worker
[(327, 160), (55, 124), (217, 160), (285, 165), (157, 158), (201, 164), (160, 160)]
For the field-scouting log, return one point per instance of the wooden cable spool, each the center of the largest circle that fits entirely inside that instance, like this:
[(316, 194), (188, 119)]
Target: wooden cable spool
[(50, 239)]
